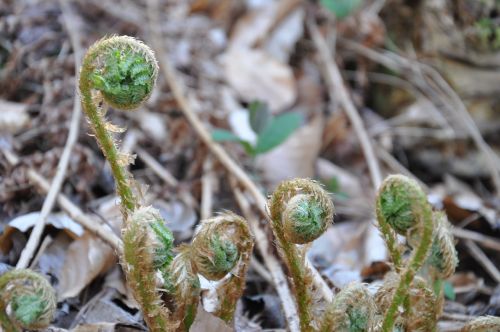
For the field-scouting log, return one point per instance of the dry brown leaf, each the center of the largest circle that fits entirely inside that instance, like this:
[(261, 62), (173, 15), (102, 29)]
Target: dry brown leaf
[(256, 75), (460, 201), (340, 249), (296, 157), (116, 280), (206, 322), (86, 258), (255, 25)]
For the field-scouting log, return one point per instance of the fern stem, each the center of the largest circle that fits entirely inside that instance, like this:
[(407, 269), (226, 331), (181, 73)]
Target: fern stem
[(102, 135)]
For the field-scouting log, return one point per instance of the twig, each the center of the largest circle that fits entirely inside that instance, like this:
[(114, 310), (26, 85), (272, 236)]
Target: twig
[(483, 260), (273, 265), (157, 168), (484, 240), (188, 109), (337, 90), (166, 176), (62, 166), (283, 11), (73, 211), (335, 82), (397, 166), (207, 188), (437, 88)]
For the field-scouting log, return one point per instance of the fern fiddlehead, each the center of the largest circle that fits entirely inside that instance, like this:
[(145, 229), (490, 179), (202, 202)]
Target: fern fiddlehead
[(122, 72), (402, 208), (27, 301), (222, 245), (352, 310), (300, 211)]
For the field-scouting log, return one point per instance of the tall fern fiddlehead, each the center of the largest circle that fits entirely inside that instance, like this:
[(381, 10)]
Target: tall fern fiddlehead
[(27, 301), (300, 211), (120, 71), (402, 208)]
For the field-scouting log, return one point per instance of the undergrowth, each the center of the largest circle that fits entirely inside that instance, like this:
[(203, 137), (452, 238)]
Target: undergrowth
[(121, 72)]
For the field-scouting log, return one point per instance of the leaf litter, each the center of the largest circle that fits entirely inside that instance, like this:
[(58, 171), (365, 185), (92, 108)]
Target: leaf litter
[(231, 56)]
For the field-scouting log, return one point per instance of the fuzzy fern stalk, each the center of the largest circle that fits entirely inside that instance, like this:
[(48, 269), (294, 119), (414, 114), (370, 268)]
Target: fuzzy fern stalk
[(144, 252), (402, 208), (352, 310), (443, 258), (183, 285), (483, 324), (223, 245), (27, 301), (121, 71), (300, 211)]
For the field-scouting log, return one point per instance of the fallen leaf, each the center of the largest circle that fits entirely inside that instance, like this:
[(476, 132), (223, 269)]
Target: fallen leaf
[(86, 258), (206, 322), (52, 259), (460, 201), (103, 309), (179, 217), (256, 75), (58, 220)]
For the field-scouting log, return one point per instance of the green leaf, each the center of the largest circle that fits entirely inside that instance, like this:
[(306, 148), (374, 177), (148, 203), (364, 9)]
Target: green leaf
[(249, 149), (277, 131), (222, 135), (449, 291), (341, 8), (260, 116)]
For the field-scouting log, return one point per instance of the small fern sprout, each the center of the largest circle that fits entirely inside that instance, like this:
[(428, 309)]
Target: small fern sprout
[(183, 284), (27, 301), (300, 210), (482, 324), (121, 71), (422, 303), (353, 310), (148, 246), (402, 208), (443, 256), (222, 245)]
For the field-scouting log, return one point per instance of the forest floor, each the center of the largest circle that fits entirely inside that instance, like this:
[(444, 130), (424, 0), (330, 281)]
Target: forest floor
[(385, 87)]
